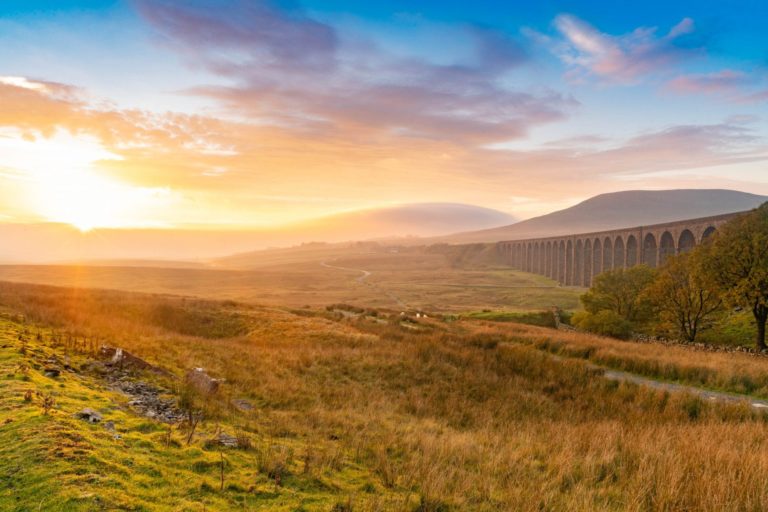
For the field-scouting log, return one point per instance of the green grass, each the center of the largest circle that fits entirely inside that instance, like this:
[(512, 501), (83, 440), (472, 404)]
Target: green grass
[(540, 318), (58, 462)]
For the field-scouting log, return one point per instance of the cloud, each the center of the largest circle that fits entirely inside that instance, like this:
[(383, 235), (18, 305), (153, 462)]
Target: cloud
[(755, 97), (621, 59), (726, 80), (234, 37), (735, 86), (236, 173), (289, 70)]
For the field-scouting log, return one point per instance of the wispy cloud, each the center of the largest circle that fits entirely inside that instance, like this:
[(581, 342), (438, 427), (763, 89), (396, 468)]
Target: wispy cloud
[(290, 70), (621, 59), (350, 123), (727, 80), (732, 85)]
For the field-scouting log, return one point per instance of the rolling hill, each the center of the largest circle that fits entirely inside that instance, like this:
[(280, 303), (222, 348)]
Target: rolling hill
[(619, 210)]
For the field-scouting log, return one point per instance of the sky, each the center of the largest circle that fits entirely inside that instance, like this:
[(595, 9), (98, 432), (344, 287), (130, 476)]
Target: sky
[(255, 114)]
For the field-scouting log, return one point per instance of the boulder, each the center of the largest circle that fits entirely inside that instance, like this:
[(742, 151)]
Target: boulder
[(51, 371), (115, 357), (202, 382), (122, 358), (89, 415)]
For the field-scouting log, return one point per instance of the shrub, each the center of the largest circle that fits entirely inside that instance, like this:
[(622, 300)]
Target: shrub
[(605, 323)]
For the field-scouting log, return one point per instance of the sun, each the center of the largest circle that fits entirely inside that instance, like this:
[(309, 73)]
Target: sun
[(88, 201), (66, 185)]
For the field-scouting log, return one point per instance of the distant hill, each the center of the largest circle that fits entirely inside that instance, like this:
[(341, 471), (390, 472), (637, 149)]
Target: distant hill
[(410, 220), (56, 243), (620, 210)]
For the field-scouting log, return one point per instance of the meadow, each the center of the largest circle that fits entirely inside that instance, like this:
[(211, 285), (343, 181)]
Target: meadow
[(364, 409), (398, 280)]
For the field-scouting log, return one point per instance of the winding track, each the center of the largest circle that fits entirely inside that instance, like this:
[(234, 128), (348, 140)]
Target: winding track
[(365, 274), (707, 394), (609, 374), (362, 278)]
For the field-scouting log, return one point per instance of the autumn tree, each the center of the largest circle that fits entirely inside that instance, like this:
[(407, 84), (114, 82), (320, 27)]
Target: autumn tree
[(737, 263), (683, 293), (620, 291)]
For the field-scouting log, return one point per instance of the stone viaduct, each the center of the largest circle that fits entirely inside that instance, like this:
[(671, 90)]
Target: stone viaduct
[(573, 260)]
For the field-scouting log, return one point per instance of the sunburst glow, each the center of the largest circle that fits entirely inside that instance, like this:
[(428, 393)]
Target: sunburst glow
[(64, 184)]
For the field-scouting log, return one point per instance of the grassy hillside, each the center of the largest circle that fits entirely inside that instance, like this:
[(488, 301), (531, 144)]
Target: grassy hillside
[(362, 412), (619, 210)]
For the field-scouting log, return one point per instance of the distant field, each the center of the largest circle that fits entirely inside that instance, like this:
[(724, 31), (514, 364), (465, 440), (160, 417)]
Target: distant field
[(396, 281)]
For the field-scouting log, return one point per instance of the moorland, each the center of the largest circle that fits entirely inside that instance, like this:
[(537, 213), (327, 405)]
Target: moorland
[(343, 408)]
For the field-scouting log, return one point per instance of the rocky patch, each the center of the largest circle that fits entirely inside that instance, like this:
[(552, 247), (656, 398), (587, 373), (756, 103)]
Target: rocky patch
[(89, 415)]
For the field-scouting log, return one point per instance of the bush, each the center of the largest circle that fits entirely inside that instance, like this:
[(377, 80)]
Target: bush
[(605, 323)]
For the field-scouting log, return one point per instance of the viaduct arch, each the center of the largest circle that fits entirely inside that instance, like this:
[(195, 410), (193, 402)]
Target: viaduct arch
[(574, 260)]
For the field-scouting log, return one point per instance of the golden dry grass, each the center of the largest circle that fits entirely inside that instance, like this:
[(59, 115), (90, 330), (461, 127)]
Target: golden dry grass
[(422, 281), (734, 372), (466, 415)]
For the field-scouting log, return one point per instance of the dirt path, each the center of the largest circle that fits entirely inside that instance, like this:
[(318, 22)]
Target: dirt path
[(365, 274), (363, 277), (707, 394), (719, 396)]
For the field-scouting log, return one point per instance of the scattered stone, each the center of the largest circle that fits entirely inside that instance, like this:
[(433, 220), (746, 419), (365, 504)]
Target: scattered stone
[(242, 404), (110, 425), (89, 415), (51, 371), (147, 399), (227, 440), (202, 382)]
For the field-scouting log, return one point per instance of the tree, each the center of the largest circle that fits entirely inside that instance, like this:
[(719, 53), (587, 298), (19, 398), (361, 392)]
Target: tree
[(683, 294), (620, 290), (737, 263)]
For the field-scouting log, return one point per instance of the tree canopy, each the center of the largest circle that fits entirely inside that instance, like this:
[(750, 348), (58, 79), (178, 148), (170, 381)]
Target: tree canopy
[(621, 291), (683, 293), (737, 263)]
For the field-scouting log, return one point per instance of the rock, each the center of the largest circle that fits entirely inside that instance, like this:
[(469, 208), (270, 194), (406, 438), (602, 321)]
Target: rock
[(51, 371), (118, 358), (242, 404), (110, 425), (122, 358), (227, 440), (89, 415), (146, 398), (202, 382)]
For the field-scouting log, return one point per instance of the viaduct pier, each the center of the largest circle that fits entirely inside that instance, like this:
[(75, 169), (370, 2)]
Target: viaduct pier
[(573, 260)]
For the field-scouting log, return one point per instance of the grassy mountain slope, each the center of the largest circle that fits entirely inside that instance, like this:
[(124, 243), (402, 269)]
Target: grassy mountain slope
[(620, 210)]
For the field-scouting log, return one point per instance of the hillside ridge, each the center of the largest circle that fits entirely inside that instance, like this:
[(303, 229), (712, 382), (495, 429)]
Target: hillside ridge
[(618, 210)]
